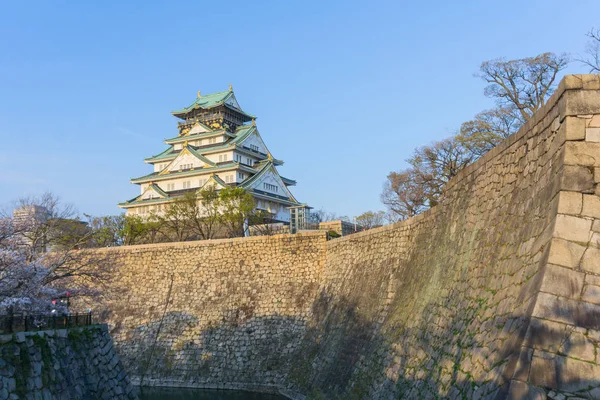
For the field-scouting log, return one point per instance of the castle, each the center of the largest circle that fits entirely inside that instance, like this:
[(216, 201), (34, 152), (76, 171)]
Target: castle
[(218, 144)]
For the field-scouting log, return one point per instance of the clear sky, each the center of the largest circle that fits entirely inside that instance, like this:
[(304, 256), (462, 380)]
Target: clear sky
[(343, 90)]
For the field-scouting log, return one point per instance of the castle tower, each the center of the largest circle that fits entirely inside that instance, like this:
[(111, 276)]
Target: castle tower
[(218, 144)]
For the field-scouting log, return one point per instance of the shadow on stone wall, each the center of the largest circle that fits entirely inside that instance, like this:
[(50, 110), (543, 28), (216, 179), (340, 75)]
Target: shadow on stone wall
[(343, 353)]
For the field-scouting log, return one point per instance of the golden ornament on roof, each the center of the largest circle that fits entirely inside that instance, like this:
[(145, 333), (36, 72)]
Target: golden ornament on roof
[(198, 93), (230, 88)]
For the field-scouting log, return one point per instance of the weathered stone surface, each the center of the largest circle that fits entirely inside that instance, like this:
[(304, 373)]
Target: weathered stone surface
[(570, 203), (574, 375), (591, 206), (523, 391), (582, 154), (592, 134), (591, 260), (562, 281), (574, 128), (591, 294), (594, 122), (556, 309), (578, 178), (543, 372), (63, 364), (565, 253), (573, 229), (578, 345)]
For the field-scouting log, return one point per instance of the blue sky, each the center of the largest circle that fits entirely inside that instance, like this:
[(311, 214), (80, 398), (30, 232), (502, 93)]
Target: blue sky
[(343, 90)]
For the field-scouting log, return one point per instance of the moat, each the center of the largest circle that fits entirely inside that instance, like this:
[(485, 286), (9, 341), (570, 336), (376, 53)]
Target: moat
[(203, 394)]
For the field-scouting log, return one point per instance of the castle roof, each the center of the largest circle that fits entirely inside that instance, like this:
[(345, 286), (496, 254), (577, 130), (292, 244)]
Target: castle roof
[(212, 100)]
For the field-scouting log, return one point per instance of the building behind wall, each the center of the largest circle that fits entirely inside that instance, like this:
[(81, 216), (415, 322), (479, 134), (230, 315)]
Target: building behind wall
[(217, 144)]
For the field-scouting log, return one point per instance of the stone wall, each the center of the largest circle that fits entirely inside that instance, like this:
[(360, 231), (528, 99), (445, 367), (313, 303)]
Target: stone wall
[(494, 293), (491, 294), (220, 313), (79, 363)]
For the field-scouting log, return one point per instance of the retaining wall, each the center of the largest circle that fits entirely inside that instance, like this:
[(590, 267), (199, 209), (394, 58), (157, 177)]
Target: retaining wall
[(76, 363), (494, 293)]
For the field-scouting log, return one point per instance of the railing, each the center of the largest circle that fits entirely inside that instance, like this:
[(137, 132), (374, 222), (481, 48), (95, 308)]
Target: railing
[(10, 323)]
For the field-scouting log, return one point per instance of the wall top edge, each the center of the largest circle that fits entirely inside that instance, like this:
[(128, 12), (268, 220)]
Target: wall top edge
[(212, 242)]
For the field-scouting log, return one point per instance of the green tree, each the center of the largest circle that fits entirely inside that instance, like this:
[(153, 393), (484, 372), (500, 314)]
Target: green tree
[(136, 230), (107, 230), (371, 219), (201, 212), (236, 207), (175, 220), (488, 129)]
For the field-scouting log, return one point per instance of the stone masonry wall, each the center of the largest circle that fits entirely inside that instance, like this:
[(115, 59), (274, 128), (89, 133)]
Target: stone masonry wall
[(494, 293), (440, 306), (219, 313), (78, 363)]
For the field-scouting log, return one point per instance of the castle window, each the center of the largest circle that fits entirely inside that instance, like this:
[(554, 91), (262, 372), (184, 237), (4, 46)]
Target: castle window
[(269, 187), (186, 184)]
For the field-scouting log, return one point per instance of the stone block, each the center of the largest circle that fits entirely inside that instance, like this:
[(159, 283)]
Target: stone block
[(590, 82), (543, 372), (577, 345), (575, 375), (591, 294), (590, 261), (523, 391), (578, 179), (571, 228), (596, 226), (574, 128), (591, 206), (579, 102), (588, 315), (592, 134), (545, 335), (594, 122), (565, 253), (592, 280), (562, 281), (554, 308), (582, 153), (570, 203)]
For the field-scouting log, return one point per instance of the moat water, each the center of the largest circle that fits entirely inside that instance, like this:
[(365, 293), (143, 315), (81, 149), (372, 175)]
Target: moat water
[(203, 394)]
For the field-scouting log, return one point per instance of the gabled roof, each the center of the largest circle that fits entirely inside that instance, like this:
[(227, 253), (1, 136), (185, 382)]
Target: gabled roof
[(217, 180), (197, 154), (209, 101), (188, 172), (187, 150), (202, 135), (199, 127), (267, 167), (245, 134), (169, 152), (157, 189)]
